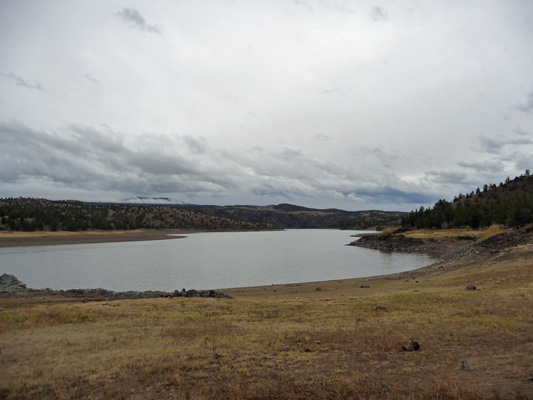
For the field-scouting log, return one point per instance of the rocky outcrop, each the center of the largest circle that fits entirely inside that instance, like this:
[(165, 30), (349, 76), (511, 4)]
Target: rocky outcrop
[(9, 285), (391, 243), (399, 242)]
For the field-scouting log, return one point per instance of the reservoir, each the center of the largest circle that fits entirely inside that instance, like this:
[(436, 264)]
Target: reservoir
[(214, 260)]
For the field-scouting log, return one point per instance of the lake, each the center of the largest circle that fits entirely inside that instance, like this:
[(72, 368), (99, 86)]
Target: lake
[(205, 261)]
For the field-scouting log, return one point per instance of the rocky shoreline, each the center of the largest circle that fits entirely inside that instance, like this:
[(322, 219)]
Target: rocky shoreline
[(410, 244), (11, 286)]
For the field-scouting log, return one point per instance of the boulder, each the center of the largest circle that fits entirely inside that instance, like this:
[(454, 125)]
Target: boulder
[(10, 284), (410, 345), (466, 366)]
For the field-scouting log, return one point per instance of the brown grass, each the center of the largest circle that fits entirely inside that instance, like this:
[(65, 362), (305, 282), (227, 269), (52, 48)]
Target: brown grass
[(480, 234), (285, 341)]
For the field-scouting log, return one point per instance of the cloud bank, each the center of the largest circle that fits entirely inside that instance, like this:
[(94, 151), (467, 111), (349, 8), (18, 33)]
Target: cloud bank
[(323, 104)]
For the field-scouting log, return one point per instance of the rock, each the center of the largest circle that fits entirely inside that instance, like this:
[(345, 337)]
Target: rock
[(10, 284), (471, 287), (466, 366), (308, 350), (364, 287), (385, 389), (318, 289), (410, 345)]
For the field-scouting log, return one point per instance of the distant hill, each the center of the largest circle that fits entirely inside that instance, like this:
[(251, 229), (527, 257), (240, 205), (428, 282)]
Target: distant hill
[(155, 201), (510, 203), (289, 216), (40, 214), (30, 214)]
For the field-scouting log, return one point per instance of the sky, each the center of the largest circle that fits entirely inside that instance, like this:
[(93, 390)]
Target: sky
[(329, 104)]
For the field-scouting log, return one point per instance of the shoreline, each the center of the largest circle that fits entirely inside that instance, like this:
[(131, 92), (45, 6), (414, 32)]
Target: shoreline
[(45, 238)]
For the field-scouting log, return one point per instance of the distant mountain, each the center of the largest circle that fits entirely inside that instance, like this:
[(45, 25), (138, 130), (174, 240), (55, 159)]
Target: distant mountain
[(510, 203), (152, 201)]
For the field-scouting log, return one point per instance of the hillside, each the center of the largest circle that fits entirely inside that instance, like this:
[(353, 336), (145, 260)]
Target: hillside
[(510, 204), (27, 214), (288, 216), (39, 214)]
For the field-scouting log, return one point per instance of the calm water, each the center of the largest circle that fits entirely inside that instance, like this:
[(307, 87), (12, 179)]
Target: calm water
[(204, 261)]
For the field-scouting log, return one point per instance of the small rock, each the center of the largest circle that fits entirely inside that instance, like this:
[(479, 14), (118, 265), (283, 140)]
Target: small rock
[(385, 389), (410, 345), (471, 287), (466, 366), (318, 289)]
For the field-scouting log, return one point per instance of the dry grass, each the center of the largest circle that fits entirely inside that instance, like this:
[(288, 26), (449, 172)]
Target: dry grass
[(479, 234), (285, 341)]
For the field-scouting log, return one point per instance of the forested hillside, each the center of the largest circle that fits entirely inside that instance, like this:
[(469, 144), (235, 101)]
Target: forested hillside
[(39, 214), (29, 214), (289, 216), (510, 203)]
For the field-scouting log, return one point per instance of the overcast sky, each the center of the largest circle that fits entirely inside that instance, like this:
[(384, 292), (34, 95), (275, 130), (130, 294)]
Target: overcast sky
[(350, 104)]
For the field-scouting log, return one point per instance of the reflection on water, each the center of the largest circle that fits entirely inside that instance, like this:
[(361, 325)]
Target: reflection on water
[(205, 261)]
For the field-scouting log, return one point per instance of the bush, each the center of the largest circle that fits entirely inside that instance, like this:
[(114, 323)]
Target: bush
[(386, 233)]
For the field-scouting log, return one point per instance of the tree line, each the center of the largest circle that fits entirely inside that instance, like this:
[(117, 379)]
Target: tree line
[(28, 214), (509, 204)]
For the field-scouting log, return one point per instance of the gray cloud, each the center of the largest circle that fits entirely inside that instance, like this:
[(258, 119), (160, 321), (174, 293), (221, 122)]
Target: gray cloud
[(527, 107), (91, 79), (391, 195), (135, 19), (322, 137), (489, 167), (378, 14), (195, 144), (21, 81), (87, 157), (495, 145), (334, 107)]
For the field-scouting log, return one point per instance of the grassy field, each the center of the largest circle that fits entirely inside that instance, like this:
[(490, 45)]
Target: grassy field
[(328, 340)]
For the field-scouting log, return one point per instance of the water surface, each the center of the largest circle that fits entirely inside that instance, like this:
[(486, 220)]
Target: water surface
[(204, 261)]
